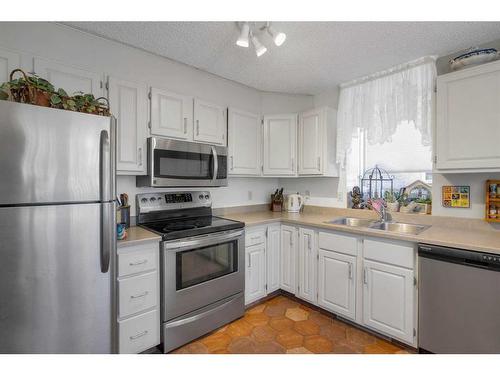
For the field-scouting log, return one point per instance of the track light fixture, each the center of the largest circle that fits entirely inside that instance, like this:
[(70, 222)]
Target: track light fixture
[(250, 31)]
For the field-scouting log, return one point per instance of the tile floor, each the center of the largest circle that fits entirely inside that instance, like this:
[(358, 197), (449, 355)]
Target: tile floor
[(283, 325)]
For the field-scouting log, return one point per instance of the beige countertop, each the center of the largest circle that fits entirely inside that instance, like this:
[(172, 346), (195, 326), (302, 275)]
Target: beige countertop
[(137, 235), (452, 233)]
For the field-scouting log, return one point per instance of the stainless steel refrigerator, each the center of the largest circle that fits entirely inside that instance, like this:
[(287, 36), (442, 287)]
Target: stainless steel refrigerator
[(57, 231)]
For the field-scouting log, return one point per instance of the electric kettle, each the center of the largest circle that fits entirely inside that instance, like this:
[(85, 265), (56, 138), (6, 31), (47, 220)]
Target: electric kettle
[(294, 202)]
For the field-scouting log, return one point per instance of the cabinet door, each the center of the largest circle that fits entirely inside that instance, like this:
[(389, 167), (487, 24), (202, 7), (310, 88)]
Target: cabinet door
[(210, 122), (280, 138), (468, 119), (129, 104), (273, 257), (171, 114), (308, 265), (337, 283), (71, 79), (244, 143), (255, 274), (288, 255), (388, 300), (9, 61), (311, 139)]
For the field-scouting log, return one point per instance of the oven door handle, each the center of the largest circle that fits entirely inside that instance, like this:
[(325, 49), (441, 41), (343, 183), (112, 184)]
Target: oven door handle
[(200, 242), (215, 163)]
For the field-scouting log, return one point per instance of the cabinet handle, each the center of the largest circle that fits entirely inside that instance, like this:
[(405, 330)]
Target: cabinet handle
[(309, 241), (232, 162), (291, 239), (365, 276), (319, 163), (197, 127), (350, 271), (144, 333), (144, 261), (139, 155), (139, 295), (185, 125), (249, 261)]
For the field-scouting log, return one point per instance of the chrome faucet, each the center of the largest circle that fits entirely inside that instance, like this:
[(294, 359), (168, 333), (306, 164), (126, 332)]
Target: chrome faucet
[(382, 212)]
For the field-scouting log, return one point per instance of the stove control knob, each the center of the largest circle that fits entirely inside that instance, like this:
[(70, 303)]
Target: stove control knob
[(152, 199), (144, 200), (201, 196), (207, 196)]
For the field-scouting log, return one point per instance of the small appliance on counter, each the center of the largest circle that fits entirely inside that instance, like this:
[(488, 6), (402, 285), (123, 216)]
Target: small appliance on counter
[(202, 264), (294, 202)]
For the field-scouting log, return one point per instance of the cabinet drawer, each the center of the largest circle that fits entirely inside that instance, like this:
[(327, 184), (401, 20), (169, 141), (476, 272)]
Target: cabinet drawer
[(137, 261), (137, 293), (255, 237), (139, 333), (390, 252), (340, 243)]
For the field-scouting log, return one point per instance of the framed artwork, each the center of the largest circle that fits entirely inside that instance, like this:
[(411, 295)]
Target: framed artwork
[(455, 196)]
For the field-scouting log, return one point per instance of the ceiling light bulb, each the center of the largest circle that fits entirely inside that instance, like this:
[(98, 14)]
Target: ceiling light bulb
[(278, 37), (243, 39), (260, 49)]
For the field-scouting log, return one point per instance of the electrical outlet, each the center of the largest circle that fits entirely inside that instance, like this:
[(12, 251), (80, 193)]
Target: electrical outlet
[(307, 194), (250, 195)]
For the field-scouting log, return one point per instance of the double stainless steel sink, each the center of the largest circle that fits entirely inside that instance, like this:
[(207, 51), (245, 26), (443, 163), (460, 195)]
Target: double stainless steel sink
[(402, 228)]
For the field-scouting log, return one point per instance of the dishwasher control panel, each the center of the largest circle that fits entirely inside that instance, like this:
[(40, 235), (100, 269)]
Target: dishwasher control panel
[(460, 256)]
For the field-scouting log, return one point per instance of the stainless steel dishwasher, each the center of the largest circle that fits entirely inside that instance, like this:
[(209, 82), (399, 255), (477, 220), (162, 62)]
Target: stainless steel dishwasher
[(459, 300)]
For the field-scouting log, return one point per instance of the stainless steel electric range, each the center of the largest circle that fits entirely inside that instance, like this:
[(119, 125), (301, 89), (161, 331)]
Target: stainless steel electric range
[(202, 264)]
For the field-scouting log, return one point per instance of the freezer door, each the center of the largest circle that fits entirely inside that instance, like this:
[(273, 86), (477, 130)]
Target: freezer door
[(54, 296), (53, 156)]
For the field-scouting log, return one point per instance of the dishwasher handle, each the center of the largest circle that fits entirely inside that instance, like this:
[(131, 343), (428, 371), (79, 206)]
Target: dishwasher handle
[(460, 256)]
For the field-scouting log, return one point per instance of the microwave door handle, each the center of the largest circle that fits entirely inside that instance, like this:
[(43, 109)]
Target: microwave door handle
[(215, 164)]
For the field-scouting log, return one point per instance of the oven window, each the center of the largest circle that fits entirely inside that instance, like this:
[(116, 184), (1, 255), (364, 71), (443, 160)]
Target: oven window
[(199, 265), (182, 165)]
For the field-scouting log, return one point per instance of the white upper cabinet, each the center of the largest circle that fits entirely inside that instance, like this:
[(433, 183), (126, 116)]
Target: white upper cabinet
[(244, 143), (308, 265), (288, 259), (280, 145), (129, 104), (317, 143), (468, 120), (273, 257), (171, 114), (9, 61), (210, 123), (71, 79)]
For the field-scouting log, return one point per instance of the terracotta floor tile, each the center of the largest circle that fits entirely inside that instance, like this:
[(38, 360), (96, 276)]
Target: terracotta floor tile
[(264, 333), (281, 324), (242, 345), (257, 319), (269, 347), (306, 327), (239, 328), (275, 310), (299, 350), (296, 314), (216, 341), (318, 344), (290, 339)]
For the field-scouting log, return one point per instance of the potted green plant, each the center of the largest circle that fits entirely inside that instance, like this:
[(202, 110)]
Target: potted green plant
[(42, 90), (27, 89), (424, 206), (391, 201)]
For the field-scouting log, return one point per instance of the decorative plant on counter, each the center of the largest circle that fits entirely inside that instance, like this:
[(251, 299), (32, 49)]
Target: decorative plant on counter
[(391, 200), (38, 91)]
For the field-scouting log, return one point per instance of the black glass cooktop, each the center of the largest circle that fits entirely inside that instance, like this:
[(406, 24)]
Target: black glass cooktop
[(192, 226)]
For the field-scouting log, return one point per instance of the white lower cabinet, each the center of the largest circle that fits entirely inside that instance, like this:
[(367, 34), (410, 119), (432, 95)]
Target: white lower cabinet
[(138, 293), (388, 300), (288, 255), (308, 265), (255, 273), (273, 257), (337, 283)]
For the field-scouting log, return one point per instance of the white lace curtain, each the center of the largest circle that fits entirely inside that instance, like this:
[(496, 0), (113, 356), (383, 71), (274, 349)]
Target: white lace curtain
[(380, 102)]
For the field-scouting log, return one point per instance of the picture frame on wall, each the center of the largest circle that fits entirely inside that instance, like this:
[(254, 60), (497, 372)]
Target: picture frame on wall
[(455, 196)]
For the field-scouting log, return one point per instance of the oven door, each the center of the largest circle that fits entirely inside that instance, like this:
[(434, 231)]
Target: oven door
[(179, 163), (201, 270)]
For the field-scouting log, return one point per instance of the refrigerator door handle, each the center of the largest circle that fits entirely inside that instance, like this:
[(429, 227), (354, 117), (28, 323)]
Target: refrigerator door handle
[(105, 167), (108, 236)]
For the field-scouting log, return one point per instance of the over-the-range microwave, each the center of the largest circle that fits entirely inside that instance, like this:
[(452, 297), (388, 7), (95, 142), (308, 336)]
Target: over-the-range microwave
[(173, 163)]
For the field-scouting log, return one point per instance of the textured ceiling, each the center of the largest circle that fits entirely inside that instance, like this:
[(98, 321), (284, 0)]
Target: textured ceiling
[(315, 56)]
